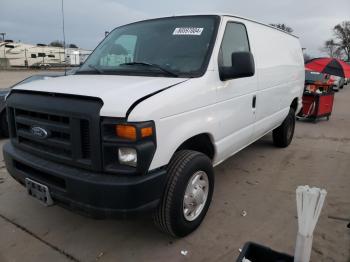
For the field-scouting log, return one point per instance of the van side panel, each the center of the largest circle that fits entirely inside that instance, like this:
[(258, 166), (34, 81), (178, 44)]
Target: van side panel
[(199, 106), (280, 69)]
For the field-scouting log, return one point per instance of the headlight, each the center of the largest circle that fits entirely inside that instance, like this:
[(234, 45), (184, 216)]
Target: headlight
[(127, 147), (127, 156)]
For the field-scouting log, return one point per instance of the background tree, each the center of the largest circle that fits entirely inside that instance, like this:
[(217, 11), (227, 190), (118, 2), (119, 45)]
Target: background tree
[(283, 27), (342, 34), (56, 43), (332, 48)]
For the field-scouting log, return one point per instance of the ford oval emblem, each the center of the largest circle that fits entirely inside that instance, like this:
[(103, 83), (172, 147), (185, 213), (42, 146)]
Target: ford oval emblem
[(39, 132)]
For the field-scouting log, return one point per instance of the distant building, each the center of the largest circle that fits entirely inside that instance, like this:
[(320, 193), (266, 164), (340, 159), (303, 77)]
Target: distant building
[(40, 55)]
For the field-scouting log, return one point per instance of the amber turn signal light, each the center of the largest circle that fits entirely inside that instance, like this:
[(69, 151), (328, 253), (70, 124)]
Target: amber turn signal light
[(126, 131), (146, 132)]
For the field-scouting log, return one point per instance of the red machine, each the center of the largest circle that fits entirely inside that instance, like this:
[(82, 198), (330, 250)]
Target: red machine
[(316, 105), (318, 96)]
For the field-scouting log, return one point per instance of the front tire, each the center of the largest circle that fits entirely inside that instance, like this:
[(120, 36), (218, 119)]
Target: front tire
[(4, 129), (283, 135), (187, 195)]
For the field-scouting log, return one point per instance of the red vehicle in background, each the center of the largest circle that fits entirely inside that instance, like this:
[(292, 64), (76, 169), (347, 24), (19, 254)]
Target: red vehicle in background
[(318, 96)]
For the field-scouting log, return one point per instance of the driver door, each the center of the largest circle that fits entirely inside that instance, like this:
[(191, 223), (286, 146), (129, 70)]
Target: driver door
[(237, 97)]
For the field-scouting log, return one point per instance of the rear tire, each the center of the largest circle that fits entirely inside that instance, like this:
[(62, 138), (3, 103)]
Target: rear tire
[(283, 135), (4, 129), (173, 216)]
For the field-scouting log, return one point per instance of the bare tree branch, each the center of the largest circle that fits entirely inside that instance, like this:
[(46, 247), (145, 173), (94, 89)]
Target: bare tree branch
[(342, 34), (332, 48)]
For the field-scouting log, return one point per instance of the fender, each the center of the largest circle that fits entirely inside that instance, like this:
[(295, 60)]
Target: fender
[(148, 96)]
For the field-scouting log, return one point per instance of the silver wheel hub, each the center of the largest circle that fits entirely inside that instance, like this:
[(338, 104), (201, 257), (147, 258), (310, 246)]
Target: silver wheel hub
[(196, 195)]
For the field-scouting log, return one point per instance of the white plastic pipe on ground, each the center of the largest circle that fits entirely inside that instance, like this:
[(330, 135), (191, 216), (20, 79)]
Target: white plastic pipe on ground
[(309, 206)]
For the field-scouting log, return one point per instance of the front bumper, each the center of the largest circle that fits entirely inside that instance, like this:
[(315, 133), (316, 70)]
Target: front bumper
[(94, 194)]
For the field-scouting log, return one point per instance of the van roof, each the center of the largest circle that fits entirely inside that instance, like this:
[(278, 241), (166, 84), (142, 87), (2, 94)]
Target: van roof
[(260, 23), (236, 16)]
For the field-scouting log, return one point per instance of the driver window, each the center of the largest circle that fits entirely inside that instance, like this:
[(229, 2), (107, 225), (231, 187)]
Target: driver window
[(122, 51), (235, 40)]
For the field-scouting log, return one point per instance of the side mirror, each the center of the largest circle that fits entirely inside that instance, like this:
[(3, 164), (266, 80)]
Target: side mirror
[(242, 66)]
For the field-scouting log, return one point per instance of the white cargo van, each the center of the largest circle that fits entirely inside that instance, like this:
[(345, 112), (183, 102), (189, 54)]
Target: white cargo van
[(141, 124)]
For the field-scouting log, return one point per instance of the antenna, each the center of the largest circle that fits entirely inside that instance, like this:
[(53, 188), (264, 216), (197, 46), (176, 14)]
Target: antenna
[(64, 39)]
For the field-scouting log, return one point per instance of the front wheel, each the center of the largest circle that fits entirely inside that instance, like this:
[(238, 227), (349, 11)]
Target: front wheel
[(187, 195), (283, 135)]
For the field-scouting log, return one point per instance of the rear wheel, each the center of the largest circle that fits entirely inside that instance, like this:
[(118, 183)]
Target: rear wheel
[(187, 195), (4, 129), (283, 135)]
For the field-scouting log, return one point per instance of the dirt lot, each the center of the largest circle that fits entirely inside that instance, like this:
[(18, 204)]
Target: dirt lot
[(260, 180), (11, 77)]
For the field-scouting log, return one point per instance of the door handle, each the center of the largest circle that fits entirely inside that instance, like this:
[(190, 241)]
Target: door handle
[(254, 101)]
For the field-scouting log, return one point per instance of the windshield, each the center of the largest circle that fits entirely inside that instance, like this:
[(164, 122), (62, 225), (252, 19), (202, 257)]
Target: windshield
[(313, 76), (174, 47)]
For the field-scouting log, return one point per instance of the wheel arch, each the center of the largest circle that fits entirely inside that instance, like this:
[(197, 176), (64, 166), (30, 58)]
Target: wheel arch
[(294, 104), (202, 142)]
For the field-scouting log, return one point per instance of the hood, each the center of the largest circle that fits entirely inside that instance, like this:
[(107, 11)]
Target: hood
[(118, 93)]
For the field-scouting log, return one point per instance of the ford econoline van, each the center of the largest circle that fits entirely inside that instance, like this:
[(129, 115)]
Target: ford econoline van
[(140, 126)]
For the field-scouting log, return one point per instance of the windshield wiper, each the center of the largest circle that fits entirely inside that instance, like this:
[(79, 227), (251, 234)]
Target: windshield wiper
[(153, 65), (96, 69)]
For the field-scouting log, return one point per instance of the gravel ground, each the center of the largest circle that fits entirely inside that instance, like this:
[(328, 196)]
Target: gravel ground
[(260, 180)]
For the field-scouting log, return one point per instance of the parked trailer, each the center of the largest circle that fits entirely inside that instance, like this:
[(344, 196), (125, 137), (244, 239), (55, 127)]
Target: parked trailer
[(40, 55)]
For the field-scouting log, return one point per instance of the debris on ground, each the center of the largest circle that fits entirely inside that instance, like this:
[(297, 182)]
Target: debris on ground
[(99, 256), (184, 252), (244, 213), (252, 183)]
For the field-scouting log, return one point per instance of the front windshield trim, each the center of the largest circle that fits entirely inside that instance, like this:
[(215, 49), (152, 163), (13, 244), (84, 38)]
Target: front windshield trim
[(196, 74)]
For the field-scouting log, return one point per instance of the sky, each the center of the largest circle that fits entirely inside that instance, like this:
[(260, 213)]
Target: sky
[(40, 21)]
